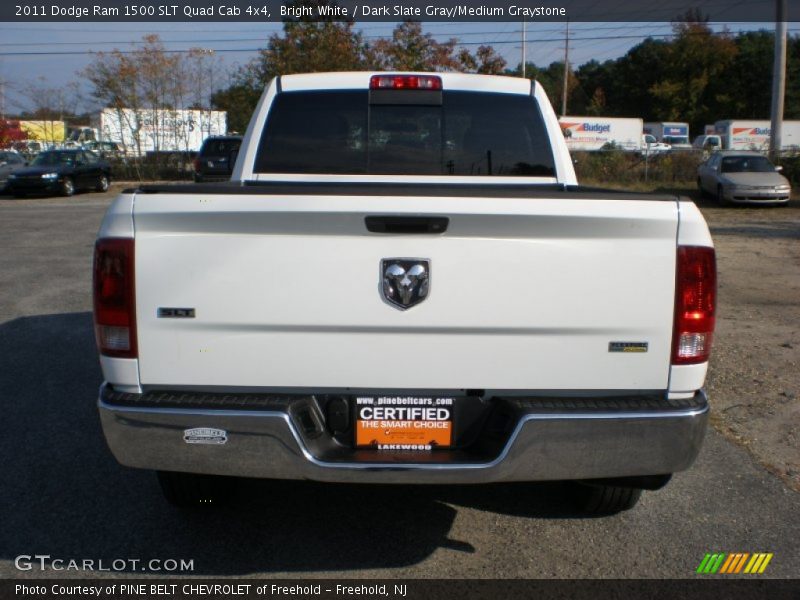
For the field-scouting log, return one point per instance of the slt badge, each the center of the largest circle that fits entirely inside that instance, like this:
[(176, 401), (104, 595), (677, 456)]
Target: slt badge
[(405, 282)]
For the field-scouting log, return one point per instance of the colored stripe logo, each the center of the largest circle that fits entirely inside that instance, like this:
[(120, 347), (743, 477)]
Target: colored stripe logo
[(734, 563)]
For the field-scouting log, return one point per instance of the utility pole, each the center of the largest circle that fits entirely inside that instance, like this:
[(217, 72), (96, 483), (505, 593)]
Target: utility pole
[(778, 78), (566, 74), (523, 47)]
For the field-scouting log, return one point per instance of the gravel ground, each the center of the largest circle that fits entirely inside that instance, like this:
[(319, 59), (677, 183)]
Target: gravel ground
[(62, 494), (754, 379)]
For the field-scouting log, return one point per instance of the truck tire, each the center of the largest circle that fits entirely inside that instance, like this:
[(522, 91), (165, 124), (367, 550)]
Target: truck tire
[(190, 490), (597, 499)]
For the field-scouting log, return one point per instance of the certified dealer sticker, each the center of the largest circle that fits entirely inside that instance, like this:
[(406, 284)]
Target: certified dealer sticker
[(205, 435)]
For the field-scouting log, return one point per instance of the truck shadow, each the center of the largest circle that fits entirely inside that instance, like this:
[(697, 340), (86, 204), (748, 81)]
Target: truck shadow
[(64, 495)]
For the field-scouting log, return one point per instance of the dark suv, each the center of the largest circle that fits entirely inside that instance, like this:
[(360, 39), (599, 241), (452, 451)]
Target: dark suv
[(216, 158)]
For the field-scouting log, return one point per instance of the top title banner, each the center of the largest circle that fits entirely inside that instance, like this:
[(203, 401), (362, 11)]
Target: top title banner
[(393, 10)]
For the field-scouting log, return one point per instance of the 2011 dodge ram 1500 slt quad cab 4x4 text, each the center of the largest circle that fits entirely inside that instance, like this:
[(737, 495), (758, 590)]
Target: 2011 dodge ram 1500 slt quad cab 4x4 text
[(403, 283)]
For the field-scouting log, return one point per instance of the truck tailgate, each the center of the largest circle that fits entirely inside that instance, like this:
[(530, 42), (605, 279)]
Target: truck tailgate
[(525, 294)]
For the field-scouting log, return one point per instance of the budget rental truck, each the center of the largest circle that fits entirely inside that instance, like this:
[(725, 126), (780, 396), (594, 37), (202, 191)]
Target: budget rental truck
[(755, 135), (599, 133), (672, 133), (404, 283)]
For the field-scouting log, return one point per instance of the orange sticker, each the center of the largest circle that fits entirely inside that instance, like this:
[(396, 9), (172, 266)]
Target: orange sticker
[(388, 435)]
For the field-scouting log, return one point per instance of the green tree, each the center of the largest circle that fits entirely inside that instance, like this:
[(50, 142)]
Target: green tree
[(628, 91), (695, 61), (310, 45), (792, 110), (306, 45), (549, 78), (239, 100)]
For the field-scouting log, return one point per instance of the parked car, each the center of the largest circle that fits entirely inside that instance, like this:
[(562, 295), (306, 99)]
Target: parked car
[(28, 148), (106, 150), (216, 158), (61, 172), (709, 143), (742, 177), (651, 146), (10, 162)]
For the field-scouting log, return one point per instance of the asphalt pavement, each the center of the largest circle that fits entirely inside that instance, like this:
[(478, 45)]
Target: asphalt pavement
[(62, 493)]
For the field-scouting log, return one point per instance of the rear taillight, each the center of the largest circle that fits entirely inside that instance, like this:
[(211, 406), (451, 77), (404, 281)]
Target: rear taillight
[(114, 299), (695, 305), (196, 165), (405, 82)]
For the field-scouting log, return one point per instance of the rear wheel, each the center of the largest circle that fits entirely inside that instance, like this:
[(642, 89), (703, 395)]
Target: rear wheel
[(595, 499), (102, 184), (67, 187), (187, 490)]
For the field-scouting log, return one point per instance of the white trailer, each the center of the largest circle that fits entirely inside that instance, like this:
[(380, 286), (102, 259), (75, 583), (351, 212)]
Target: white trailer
[(669, 132), (754, 135), (141, 131), (595, 133)]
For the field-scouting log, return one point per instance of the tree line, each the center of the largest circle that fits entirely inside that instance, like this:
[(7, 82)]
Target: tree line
[(698, 76)]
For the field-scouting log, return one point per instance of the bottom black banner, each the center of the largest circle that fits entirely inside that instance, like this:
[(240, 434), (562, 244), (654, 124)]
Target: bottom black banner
[(417, 589)]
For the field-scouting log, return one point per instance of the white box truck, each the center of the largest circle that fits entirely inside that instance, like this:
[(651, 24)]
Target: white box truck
[(754, 135), (673, 133), (141, 131), (595, 133)]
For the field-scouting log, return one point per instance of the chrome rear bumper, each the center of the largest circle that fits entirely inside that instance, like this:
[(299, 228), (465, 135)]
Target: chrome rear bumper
[(545, 443)]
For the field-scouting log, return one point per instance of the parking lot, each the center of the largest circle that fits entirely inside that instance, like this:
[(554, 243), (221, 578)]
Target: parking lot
[(62, 494)]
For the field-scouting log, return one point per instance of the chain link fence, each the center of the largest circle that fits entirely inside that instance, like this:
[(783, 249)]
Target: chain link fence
[(677, 168)]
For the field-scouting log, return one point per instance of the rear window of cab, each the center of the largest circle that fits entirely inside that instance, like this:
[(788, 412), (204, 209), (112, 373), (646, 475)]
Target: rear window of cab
[(467, 133)]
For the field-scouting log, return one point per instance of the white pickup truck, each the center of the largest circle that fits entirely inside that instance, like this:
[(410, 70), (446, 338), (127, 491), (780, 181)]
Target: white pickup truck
[(403, 283)]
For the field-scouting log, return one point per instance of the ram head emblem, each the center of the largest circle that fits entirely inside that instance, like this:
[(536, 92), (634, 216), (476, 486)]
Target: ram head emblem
[(405, 282)]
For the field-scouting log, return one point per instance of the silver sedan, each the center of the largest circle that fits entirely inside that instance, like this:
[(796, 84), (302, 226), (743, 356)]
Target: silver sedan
[(742, 177)]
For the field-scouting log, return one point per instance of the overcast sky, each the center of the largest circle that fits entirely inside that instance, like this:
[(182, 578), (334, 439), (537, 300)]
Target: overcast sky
[(68, 46)]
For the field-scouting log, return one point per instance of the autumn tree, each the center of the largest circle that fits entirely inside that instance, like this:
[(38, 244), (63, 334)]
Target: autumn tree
[(49, 104), (597, 105), (409, 49), (10, 132), (485, 61), (149, 84), (202, 75)]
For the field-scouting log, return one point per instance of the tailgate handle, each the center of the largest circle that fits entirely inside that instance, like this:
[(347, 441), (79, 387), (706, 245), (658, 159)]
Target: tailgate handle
[(393, 224)]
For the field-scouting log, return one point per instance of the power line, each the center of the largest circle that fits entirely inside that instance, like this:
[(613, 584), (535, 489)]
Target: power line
[(458, 42)]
